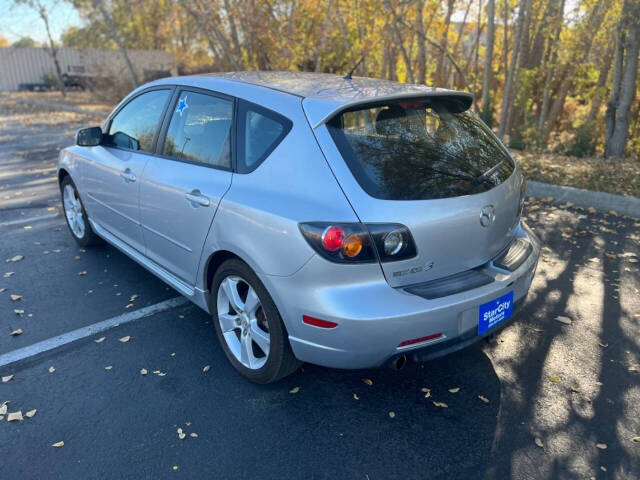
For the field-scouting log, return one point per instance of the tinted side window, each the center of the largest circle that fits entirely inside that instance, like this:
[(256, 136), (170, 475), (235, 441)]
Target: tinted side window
[(261, 132), (135, 125), (200, 130)]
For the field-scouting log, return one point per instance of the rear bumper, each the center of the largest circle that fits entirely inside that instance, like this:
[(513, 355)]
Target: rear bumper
[(374, 318)]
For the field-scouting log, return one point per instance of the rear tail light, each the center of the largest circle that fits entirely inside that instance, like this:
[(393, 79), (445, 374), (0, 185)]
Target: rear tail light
[(359, 243), (413, 341)]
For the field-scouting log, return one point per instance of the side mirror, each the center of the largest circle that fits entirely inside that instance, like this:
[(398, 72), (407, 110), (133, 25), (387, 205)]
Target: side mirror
[(89, 137)]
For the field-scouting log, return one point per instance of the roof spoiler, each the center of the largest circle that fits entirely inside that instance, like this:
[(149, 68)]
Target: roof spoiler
[(457, 102)]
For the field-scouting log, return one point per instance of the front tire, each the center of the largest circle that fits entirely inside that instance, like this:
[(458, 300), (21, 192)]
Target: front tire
[(249, 326), (76, 215)]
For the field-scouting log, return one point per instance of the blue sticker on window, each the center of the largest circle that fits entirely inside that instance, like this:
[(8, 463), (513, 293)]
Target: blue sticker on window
[(494, 312), (182, 105)]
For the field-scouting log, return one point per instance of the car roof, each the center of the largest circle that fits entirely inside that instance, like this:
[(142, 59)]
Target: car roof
[(325, 94)]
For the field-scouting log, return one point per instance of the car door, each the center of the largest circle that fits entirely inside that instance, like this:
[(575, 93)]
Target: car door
[(112, 171), (182, 186)]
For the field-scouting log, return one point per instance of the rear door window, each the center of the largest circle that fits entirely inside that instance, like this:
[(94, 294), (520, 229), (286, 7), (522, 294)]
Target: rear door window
[(200, 130), (135, 125), (420, 149), (261, 130)]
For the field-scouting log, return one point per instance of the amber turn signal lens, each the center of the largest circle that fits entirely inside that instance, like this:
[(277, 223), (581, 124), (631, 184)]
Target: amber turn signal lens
[(352, 245)]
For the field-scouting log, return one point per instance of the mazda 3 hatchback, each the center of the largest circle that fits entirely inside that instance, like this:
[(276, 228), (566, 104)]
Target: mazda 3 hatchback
[(346, 222)]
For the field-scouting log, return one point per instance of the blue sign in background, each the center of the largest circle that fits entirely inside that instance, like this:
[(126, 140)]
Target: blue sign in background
[(494, 312)]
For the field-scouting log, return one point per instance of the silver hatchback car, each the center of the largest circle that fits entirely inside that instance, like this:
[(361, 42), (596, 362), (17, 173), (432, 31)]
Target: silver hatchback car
[(346, 222)]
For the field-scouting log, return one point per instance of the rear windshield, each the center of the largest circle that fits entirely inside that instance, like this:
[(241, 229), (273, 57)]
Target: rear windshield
[(420, 149)]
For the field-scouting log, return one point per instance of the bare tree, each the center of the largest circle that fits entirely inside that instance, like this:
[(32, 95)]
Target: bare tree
[(42, 11), (623, 90), (117, 39)]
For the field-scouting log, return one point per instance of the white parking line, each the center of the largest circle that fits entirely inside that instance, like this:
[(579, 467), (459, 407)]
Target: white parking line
[(28, 220), (65, 338)]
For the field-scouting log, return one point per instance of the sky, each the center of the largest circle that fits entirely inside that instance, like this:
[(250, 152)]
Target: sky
[(22, 21)]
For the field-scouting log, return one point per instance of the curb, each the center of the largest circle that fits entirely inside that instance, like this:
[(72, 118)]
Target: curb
[(622, 204)]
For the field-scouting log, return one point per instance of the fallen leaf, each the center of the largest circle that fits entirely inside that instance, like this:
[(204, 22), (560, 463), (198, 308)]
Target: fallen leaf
[(14, 416), (206, 368), (52, 369), (2, 290), (563, 319), (17, 258), (58, 444), (294, 390), (356, 397), (125, 339), (368, 381), (8, 274), (7, 378), (633, 368), (83, 272), (636, 439), (454, 390), (181, 434), (16, 332), (441, 404), (604, 469), (31, 413), (15, 298), (108, 367), (539, 442), (601, 446), (603, 345), (193, 435), (18, 311), (143, 371), (483, 398), (100, 340), (575, 389), (133, 297), (555, 379), (392, 414), (129, 305), (3, 409)]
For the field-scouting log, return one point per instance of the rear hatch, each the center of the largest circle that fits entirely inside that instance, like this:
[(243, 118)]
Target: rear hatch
[(433, 166)]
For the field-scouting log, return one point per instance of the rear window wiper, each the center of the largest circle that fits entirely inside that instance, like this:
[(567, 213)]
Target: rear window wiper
[(485, 176)]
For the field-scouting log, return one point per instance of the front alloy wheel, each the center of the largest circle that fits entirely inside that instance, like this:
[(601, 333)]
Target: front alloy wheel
[(76, 216)]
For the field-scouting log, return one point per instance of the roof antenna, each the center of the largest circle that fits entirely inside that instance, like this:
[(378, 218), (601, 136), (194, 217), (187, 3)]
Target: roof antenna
[(348, 75)]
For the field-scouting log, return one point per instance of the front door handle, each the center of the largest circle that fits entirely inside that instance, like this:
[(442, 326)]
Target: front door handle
[(196, 197), (128, 176)]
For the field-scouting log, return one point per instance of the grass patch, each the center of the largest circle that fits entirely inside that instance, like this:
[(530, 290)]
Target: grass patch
[(593, 173)]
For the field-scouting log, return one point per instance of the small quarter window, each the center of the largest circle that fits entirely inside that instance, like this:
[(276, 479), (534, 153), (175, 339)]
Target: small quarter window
[(200, 130), (135, 125), (261, 132)]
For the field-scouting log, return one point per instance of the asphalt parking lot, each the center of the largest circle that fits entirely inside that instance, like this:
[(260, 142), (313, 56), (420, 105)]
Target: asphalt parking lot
[(560, 387)]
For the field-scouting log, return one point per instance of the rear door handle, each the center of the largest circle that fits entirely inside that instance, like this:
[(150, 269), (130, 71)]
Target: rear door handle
[(196, 197), (128, 176)]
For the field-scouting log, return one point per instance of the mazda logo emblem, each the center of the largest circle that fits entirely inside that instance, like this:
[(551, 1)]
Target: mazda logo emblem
[(487, 215)]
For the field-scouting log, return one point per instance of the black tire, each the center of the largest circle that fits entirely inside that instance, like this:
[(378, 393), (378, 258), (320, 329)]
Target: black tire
[(89, 238), (280, 360)]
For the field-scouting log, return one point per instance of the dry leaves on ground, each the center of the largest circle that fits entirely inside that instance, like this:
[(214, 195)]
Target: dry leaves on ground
[(483, 398), (13, 416), (16, 332), (15, 298), (100, 340), (601, 446), (125, 339), (17, 258), (555, 379), (539, 442), (58, 444), (392, 414), (454, 390), (368, 381), (441, 404), (143, 371), (8, 378), (52, 369), (31, 413), (206, 368), (563, 319), (294, 390)]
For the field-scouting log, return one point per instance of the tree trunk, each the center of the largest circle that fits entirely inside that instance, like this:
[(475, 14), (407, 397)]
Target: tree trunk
[(422, 61), (616, 143), (116, 38), (506, 99), (488, 69), (596, 101), (439, 79), (612, 104), (53, 50)]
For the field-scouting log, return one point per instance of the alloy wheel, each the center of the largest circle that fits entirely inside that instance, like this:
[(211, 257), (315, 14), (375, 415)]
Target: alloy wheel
[(73, 211), (243, 322)]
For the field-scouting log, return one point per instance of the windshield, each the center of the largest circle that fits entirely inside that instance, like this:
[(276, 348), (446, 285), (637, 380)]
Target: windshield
[(419, 149)]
